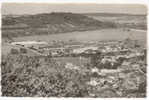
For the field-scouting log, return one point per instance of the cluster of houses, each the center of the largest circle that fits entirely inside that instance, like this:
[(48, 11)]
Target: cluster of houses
[(118, 79), (45, 48)]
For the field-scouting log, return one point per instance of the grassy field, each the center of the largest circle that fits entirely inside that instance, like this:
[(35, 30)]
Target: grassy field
[(97, 35)]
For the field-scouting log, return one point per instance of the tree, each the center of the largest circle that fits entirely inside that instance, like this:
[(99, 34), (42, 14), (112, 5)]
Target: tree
[(23, 50), (14, 51), (95, 59)]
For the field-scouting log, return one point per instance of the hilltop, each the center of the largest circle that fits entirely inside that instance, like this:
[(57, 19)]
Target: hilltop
[(123, 20), (113, 14), (49, 23)]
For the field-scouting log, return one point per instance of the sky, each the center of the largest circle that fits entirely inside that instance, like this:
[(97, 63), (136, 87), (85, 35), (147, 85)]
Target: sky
[(35, 8)]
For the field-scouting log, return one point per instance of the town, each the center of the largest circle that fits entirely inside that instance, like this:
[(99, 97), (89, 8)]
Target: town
[(112, 61), (127, 48), (74, 50), (109, 51)]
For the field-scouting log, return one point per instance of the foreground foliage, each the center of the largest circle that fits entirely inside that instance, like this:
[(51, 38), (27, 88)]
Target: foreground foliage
[(24, 76), (32, 76)]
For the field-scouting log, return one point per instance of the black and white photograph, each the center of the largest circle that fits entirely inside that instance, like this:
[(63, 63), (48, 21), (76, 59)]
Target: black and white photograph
[(84, 50)]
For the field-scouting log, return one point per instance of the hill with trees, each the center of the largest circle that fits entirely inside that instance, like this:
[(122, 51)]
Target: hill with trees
[(49, 23)]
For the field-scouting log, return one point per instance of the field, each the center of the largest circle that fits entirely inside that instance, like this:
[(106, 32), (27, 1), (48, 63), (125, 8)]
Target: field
[(97, 35)]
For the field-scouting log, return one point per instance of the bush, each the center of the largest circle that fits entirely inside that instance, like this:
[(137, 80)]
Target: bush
[(27, 76), (42, 77), (23, 50), (14, 51)]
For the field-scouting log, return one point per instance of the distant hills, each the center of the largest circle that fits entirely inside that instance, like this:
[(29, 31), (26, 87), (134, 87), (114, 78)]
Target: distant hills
[(112, 14), (122, 20), (60, 22), (49, 23)]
